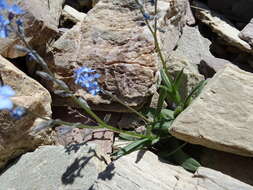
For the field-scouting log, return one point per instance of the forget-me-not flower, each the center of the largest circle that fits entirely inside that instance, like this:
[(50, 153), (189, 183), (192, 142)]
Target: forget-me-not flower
[(5, 93), (18, 112), (11, 11), (87, 78)]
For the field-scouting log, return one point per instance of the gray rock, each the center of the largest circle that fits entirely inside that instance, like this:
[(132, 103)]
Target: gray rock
[(210, 65), (214, 180), (247, 33), (225, 162), (82, 168), (192, 46), (221, 117), (54, 167)]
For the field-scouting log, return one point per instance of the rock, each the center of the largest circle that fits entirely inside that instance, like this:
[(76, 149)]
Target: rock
[(240, 10), (210, 65), (55, 167), (221, 27), (225, 162), (40, 24), (213, 180), (190, 77), (72, 14), (190, 20), (247, 33), (222, 114), (119, 47), (82, 167), (15, 135), (192, 46)]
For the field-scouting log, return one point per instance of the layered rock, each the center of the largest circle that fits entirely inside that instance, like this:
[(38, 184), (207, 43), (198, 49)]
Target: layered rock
[(119, 47), (16, 137), (222, 27), (82, 167), (221, 117)]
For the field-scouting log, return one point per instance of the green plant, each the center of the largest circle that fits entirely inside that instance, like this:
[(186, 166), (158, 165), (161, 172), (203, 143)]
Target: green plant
[(157, 121)]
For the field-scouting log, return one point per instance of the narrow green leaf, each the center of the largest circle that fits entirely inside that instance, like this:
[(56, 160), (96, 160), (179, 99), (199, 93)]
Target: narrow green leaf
[(195, 92), (178, 79), (161, 99), (127, 137), (166, 80), (136, 145)]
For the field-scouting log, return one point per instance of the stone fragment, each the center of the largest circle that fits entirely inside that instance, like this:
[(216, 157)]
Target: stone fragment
[(16, 137), (192, 46), (213, 180), (210, 65), (222, 27), (190, 76), (119, 47), (40, 24), (72, 14), (221, 117), (247, 33), (82, 167)]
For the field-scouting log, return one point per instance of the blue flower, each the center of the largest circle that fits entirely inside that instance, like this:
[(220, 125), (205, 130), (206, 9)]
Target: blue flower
[(5, 93), (12, 10), (86, 78), (3, 4), (15, 9), (4, 27), (147, 16), (18, 112)]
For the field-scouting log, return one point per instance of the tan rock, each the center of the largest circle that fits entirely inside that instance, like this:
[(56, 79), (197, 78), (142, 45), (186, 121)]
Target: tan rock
[(40, 23), (221, 117), (72, 14), (15, 135), (222, 27)]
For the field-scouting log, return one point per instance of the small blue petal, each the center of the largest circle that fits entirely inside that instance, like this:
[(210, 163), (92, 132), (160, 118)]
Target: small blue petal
[(15, 9), (3, 4), (5, 103), (6, 91), (18, 112)]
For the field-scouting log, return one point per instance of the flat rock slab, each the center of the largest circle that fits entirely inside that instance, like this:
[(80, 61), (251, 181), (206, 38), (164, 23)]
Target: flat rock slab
[(82, 168), (222, 27), (222, 116)]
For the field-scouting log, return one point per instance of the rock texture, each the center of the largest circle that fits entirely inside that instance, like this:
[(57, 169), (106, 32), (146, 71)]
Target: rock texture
[(119, 46), (190, 77), (247, 33), (221, 117), (72, 14), (222, 27), (40, 24), (55, 167), (15, 135), (82, 167)]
